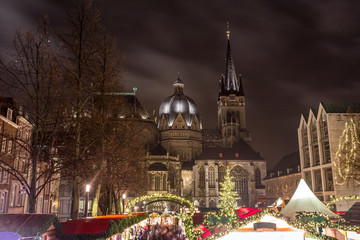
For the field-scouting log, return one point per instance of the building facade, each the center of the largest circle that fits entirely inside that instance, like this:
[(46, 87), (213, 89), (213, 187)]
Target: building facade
[(318, 135), (15, 134), (284, 178)]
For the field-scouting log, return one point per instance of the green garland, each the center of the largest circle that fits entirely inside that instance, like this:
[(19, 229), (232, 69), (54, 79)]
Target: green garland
[(115, 227), (310, 226), (190, 231), (351, 197)]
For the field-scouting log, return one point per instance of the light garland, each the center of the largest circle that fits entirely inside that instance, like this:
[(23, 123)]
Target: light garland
[(347, 158), (190, 231), (344, 198), (306, 221)]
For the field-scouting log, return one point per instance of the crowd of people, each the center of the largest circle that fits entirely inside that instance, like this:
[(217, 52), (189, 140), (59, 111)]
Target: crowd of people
[(160, 232)]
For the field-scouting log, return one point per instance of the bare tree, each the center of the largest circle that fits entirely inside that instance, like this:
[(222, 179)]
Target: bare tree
[(80, 44), (31, 75)]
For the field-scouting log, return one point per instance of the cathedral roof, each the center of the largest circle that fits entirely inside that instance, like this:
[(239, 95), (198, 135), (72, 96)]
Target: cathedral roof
[(178, 103), (240, 151), (158, 150)]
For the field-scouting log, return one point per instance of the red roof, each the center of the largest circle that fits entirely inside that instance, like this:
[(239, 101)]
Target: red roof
[(94, 225), (246, 212)]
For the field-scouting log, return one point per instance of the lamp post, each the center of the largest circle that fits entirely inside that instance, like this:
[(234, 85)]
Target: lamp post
[(123, 202), (87, 199)]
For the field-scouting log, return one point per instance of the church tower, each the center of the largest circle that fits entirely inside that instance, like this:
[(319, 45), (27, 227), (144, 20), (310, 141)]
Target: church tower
[(231, 103)]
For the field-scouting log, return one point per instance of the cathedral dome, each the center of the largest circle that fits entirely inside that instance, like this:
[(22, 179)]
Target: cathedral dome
[(178, 103)]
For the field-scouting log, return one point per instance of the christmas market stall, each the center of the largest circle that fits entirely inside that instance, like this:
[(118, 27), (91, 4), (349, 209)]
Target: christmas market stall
[(30, 226), (114, 227)]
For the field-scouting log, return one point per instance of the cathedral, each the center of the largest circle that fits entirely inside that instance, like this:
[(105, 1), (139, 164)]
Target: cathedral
[(191, 162)]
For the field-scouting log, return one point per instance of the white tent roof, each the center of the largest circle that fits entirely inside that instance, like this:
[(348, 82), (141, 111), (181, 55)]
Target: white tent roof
[(305, 200)]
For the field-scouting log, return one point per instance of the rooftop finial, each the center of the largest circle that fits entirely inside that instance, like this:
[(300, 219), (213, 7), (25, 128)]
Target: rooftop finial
[(228, 30)]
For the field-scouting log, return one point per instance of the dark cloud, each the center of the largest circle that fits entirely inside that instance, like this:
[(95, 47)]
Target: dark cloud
[(291, 54)]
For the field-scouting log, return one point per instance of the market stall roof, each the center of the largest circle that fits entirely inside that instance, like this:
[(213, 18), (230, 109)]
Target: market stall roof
[(28, 225), (304, 200), (94, 225)]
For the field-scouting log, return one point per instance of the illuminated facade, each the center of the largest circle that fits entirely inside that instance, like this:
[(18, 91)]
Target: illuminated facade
[(205, 154), (180, 125), (318, 136)]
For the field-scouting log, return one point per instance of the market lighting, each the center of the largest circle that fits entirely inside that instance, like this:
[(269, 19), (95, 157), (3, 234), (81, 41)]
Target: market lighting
[(87, 188)]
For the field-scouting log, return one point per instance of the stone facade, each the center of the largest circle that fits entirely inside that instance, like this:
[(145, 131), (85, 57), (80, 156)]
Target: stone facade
[(318, 135)]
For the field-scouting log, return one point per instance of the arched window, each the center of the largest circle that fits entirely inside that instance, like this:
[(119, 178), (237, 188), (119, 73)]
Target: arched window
[(221, 173), (257, 177), (211, 172), (164, 182), (240, 177), (157, 182), (201, 177)]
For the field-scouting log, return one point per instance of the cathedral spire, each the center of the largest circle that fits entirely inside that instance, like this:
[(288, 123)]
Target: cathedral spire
[(230, 83)]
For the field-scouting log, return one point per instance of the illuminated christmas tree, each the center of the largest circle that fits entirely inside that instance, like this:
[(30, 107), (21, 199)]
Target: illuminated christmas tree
[(347, 158), (228, 197)]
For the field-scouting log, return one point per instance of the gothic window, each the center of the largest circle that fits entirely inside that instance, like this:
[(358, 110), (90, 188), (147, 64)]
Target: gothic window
[(211, 172), (257, 177), (201, 177), (228, 117), (239, 176), (172, 177), (157, 182), (164, 182), (221, 173)]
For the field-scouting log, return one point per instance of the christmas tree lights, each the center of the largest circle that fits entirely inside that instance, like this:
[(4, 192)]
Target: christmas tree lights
[(347, 158)]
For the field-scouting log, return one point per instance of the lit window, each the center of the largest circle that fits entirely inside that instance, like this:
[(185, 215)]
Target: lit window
[(3, 196), (318, 182), (202, 177), (10, 147), (329, 183), (3, 146), (221, 173), (211, 172), (9, 113), (239, 176), (157, 183)]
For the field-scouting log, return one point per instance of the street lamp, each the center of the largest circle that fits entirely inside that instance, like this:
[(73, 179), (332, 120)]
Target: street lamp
[(123, 202), (87, 199)]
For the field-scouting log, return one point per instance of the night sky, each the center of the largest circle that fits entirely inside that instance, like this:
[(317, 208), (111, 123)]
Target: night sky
[(291, 54)]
